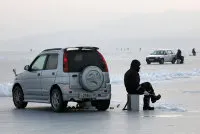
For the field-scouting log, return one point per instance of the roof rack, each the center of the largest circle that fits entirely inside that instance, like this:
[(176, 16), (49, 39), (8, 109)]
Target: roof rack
[(83, 48), (52, 49)]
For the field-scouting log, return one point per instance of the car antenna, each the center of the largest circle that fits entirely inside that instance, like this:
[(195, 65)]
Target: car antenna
[(14, 71)]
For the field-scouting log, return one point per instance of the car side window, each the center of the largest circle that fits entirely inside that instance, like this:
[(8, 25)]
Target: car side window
[(52, 62), (169, 52), (159, 52), (163, 53), (38, 63)]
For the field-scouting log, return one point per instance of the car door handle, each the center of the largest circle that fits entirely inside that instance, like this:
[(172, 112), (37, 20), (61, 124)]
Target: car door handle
[(38, 74), (53, 73), (74, 75)]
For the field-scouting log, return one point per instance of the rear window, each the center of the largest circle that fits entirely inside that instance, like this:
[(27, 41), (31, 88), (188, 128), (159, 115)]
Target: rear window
[(78, 60)]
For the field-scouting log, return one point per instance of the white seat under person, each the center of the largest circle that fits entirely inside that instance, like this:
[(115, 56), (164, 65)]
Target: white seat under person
[(178, 61), (133, 102)]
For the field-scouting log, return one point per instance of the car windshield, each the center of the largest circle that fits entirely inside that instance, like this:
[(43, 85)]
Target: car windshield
[(158, 52)]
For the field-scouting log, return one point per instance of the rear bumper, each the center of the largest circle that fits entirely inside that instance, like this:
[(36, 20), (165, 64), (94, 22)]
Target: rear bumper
[(83, 95)]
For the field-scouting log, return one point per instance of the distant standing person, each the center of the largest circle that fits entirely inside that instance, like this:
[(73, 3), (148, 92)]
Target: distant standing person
[(133, 86), (193, 52)]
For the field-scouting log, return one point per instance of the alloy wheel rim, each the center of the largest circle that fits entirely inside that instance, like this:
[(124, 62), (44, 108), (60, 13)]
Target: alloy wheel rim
[(55, 100), (18, 96)]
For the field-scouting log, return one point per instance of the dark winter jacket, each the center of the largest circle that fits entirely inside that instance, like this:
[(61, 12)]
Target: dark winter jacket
[(193, 51), (131, 81), (178, 54)]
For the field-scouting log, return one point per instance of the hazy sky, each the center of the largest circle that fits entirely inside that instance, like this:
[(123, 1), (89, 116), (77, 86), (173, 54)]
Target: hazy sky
[(20, 18)]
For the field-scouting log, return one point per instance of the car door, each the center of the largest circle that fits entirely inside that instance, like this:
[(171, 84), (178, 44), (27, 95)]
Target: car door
[(49, 74), (163, 54), (170, 55), (32, 79)]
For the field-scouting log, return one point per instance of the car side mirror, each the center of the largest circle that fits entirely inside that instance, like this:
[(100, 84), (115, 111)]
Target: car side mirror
[(26, 67)]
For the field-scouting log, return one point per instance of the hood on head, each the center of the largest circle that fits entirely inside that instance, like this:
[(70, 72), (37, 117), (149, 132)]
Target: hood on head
[(135, 64)]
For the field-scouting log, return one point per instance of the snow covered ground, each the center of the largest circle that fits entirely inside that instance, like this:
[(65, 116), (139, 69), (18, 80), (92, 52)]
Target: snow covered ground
[(177, 112)]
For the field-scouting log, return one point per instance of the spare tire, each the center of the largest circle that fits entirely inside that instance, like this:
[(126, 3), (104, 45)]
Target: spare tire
[(91, 79)]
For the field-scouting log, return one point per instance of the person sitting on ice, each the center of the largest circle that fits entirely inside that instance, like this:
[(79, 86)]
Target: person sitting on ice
[(179, 56), (133, 86)]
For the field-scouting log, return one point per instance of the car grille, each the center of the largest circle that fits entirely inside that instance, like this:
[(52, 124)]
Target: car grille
[(152, 57)]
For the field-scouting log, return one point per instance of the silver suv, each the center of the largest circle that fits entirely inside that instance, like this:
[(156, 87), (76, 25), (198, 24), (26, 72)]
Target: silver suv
[(58, 76), (161, 56)]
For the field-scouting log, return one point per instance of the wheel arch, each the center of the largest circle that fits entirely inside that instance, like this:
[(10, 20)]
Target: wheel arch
[(16, 84), (53, 87)]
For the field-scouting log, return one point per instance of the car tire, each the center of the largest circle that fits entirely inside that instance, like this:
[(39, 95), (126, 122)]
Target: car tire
[(148, 62), (56, 100), (173, 61), (161, 61), (18, 98), (101, 105)]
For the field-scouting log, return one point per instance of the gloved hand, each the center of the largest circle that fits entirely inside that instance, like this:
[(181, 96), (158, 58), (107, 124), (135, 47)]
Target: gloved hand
[(146, 93)]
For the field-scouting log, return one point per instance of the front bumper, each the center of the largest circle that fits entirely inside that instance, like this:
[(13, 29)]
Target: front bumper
[(153, 59)]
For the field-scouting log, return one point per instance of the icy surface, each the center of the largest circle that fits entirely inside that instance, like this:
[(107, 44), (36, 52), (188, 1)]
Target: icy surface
[(5, 89), (157, 76)]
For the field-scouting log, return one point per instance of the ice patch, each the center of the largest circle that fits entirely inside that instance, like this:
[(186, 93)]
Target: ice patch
[(159, 106), (164, 116), (2, 58), (169, 116), (170, 107), (117, 79), (157, 76), (192, 92), (6, 90)]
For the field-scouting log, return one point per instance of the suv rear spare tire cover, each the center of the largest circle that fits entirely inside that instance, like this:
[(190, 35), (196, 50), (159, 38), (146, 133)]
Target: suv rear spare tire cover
[(91, 78)]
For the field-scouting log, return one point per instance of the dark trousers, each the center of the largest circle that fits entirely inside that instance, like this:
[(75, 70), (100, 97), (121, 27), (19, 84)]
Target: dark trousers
[(146, 86), (180, 58)]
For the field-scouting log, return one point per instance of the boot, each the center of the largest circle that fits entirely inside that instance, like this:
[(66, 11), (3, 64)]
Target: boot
[(154, 98), (148, 108), (146, 101)]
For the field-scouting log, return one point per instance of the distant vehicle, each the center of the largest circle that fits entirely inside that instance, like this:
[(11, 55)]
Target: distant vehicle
[(161, 56), (61, 75)]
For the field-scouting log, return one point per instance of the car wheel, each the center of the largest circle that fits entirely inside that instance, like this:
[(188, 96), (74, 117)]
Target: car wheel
[(57, 102), (148, 62), (173, 61), (101, 105), (18, 98), (161, 61)]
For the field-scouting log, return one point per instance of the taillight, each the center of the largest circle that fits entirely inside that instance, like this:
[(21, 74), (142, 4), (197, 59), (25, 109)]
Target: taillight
[(65, 62), (104, 62)]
